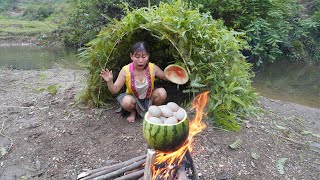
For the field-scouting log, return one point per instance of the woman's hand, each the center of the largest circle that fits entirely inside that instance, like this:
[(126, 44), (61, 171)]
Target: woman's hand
[(106, 75), (114, 87)]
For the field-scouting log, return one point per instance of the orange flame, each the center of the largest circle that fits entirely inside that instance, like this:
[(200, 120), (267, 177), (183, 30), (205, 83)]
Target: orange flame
[(195, 126)]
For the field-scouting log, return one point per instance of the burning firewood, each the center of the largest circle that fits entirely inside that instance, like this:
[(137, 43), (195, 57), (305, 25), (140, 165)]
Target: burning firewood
[(141, 168), (159, 164)]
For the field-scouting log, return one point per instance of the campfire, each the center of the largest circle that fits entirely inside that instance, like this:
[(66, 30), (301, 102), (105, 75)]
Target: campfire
[(156, 165)]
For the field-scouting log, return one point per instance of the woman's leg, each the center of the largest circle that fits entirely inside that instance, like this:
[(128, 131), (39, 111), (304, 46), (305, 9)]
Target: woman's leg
[(129, 104), (159, 96)]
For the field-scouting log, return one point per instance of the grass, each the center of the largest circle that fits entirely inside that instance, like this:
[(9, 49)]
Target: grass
[(13, 27)]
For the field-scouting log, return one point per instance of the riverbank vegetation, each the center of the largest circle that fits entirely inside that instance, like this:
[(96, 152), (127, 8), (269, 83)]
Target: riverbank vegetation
[(31, 21), (17, 28), (275, 30)]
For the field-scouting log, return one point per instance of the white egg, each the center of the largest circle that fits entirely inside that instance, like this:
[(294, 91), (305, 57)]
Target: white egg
[(166, 111), (163, 119), (180, 114), (174, 114), (154, 111), (173, 106), (171, 120), (155, 120)]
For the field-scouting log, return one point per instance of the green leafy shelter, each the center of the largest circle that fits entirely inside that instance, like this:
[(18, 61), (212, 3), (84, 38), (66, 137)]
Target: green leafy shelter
[(178, 34)]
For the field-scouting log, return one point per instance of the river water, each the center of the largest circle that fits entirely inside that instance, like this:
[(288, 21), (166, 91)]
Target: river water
[(36, 57), (293, 82)]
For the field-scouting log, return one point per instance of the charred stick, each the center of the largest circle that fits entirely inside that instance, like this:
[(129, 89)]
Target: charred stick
[(134, 175), (189, 157), (107, 169), (120, 171), (182, 173)]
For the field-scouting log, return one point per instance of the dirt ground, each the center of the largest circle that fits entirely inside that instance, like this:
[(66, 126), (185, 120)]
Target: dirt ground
[(45, 136)]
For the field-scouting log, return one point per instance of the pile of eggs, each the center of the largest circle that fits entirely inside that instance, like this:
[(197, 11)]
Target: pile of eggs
[(166, 114)]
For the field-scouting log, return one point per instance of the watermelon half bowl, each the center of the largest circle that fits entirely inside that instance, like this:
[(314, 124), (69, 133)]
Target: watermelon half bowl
[(176, 74), (166, 137)]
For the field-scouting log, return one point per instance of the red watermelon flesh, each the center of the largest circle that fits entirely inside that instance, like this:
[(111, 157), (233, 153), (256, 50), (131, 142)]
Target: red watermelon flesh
[(176, 74)]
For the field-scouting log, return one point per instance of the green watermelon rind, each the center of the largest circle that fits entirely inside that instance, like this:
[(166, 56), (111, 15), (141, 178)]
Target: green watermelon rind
[(176, 134)]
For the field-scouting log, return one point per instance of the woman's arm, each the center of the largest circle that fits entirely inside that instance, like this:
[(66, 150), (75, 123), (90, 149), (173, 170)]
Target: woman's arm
[(118, 84), (159, 73)]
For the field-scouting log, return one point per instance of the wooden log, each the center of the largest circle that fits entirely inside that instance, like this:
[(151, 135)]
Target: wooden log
[(151, 155), (108, 169), (119, 172), (134, 175)]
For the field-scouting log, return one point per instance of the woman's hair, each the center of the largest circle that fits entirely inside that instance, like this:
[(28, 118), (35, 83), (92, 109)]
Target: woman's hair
[(139, 46)]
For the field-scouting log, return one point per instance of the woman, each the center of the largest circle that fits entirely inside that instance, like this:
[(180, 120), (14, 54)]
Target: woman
[(139, 78)]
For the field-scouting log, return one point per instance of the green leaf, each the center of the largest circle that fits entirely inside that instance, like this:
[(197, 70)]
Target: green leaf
[(237, 89), (279, 127), (238, 100), (217, 104), (197, 85), (306, 133), (255, 155), (191, 91), (236, 144), (310, 133), (41, 89), (280, 165), (53, 89)]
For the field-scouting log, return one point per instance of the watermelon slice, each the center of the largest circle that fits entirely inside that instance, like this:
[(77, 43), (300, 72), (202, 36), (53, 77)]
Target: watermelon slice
[(176, 74)]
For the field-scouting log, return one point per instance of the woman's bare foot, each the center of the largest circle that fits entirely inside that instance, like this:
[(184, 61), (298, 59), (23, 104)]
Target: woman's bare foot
[(132, 117)]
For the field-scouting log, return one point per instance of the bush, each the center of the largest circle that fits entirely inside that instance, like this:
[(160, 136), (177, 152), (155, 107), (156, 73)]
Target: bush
[(313, 42), (273, 28), (6, 5), (210, 53), (38, 12)]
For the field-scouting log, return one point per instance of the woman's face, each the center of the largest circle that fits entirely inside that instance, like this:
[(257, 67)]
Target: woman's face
[(139, 59)]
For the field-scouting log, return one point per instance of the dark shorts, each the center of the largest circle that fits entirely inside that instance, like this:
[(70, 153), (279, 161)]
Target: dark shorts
[(142, 105)]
